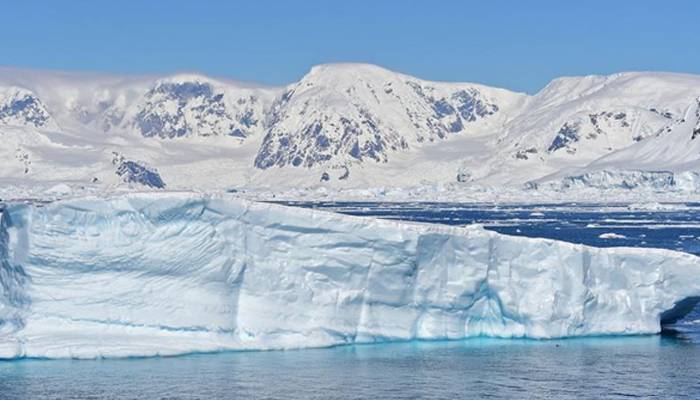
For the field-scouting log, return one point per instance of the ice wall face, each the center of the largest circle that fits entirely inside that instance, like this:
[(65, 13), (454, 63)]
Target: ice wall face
[(150, 274), (13, 297)]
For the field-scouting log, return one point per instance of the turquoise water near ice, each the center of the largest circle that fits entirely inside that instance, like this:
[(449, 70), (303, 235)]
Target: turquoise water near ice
[(665, 366), (645, 367)]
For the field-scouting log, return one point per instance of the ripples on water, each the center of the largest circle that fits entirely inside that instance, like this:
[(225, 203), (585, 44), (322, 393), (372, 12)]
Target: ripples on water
[(648, 366), (664, 366)]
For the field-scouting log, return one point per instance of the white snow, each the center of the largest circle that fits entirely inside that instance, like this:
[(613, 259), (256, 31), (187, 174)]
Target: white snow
[(161, 274), (60, 189)]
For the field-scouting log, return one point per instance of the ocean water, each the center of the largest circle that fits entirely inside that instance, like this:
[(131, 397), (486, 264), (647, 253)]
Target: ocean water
[(665, 366), (677, 227), (645, 367)]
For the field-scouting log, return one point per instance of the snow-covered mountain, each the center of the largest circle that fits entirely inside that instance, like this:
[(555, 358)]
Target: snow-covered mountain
[(196, 106), (99, 129), (668, 159), (21, 107), (349, 113), (574, 121), (674, 148), (166, 107), (345, 126)]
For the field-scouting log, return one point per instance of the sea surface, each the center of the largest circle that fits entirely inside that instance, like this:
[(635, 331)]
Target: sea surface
[(665, 366)]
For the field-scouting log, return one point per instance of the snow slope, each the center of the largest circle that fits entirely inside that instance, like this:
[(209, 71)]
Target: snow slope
[(675, 148), (669, 160), (162, 274), (575, 121)]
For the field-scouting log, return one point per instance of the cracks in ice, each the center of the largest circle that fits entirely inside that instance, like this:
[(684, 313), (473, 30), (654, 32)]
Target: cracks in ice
[(126, 324), (14, 300)]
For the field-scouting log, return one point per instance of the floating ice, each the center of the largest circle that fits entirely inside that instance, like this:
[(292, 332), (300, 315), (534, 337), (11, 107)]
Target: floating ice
[(165, 273), (612, 235)]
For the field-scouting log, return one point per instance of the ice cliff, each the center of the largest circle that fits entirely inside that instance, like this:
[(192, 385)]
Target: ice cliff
[(171, 273)]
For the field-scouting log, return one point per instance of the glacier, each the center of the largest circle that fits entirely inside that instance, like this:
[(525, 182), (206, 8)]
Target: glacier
[(148, 274)]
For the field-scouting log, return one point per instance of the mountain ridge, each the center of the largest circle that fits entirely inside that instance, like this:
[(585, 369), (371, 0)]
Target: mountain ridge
[(342, 124)]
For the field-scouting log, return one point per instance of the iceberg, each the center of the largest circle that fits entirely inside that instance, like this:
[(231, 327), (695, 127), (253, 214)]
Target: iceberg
[(147, 274)]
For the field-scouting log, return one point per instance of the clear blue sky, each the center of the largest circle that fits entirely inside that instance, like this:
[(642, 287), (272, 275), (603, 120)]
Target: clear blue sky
[(515, 44)]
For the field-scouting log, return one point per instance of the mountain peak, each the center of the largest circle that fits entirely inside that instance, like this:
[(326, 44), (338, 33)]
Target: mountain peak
[(21, 107), (348, 68), (342, 114), (192, 105)]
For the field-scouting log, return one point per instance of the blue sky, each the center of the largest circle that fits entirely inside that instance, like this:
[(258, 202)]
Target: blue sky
[(520, 45)]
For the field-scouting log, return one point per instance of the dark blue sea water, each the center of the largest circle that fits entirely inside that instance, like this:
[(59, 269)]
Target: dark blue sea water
[(676, 228), (665, 366)]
